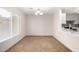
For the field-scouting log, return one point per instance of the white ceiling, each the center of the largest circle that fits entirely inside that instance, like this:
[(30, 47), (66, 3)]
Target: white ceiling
[(48, 10), (31, 10), (70, 9)]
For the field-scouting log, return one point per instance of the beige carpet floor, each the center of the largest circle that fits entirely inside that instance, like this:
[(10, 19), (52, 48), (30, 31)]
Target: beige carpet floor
[(38, 44)]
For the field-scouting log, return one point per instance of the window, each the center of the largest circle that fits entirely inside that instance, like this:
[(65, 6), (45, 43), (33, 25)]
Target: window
[(9, 24)]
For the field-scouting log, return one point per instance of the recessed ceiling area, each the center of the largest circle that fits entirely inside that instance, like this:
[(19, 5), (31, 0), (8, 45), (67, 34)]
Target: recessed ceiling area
[(48, 10)]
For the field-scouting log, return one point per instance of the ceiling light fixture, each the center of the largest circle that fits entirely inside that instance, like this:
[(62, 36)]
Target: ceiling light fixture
[(38, 12)]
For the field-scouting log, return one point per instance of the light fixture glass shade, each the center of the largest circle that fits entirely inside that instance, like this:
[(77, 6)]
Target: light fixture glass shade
[(41, 13), (36, 13)]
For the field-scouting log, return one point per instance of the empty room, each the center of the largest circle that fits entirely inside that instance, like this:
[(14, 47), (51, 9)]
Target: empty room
[(39, 29)]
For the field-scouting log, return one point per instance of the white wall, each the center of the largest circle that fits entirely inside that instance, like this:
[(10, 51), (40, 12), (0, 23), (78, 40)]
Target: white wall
[(8, 43), (71, 40), (39, 25)]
